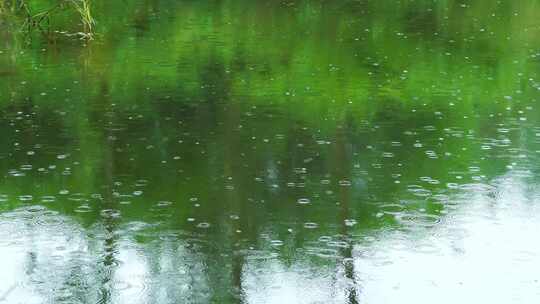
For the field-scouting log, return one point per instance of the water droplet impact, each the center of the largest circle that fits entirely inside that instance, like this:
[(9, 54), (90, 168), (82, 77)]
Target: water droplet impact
[(25, 197), (350, 222), (304, 201), (310, 225), (203, 225), (164, 203), (344, 183)]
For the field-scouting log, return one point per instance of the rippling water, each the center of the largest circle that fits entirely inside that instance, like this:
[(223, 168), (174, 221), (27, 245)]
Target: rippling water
[(273, 152)]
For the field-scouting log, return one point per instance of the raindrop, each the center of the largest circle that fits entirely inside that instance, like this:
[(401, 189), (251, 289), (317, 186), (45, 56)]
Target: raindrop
[(48, 199), (276, 243), (340, 244), (300, 170), (311, 225), (392, 208), (84, 209), (203, 225), (164, 203), (141, 183), (110, 213), (344, 183), (25, 197), (304, 201), (350, 222), (325, 239)]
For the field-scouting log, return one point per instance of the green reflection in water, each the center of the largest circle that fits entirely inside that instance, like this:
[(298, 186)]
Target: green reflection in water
[(219, 151)]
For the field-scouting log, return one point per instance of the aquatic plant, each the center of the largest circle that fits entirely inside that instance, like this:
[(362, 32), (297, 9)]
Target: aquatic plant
[(83, 8), (40, 14)]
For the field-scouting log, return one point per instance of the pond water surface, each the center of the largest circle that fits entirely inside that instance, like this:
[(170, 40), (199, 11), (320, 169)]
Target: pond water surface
[(274, 152)]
